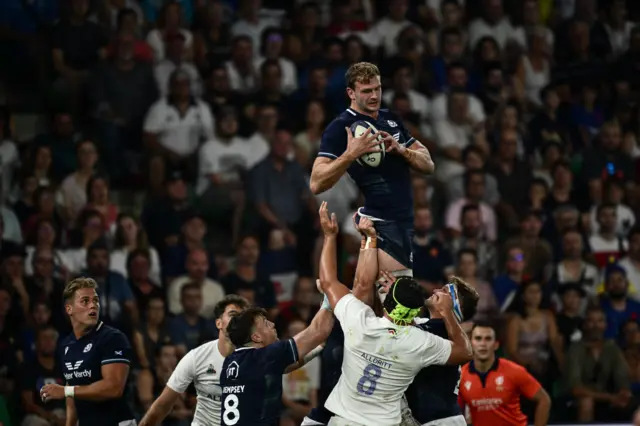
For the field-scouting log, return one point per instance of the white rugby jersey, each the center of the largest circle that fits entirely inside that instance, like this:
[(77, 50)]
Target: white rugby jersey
[(380, 361), (201, 366)]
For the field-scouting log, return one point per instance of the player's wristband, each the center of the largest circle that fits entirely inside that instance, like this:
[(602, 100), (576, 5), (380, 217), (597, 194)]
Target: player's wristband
[(325, 304), (69, 391), (371, 243)]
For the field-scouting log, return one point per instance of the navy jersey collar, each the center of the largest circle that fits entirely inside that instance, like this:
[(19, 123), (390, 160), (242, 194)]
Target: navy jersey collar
[(89, 334), (494, 367)]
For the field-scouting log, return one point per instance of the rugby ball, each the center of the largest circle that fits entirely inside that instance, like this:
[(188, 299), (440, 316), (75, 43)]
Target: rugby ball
[(371, 159)]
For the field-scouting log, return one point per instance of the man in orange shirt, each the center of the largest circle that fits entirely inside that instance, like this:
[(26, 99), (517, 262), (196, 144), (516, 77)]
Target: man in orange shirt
[(491, 387)]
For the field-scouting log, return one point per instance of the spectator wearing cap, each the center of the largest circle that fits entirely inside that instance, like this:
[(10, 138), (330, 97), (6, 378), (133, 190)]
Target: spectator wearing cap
[(197, 266), (615, 301), (174, 60), (177, 124), (163, 217), (631, 263), (192, 237), (117, 304), (169, 21), (606, 160), (614, 194), (570, 318), (223, 164), (14, 278), (537, 250)]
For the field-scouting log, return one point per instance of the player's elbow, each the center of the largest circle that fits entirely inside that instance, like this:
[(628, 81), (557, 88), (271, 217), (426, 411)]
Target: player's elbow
[(115, 390), (316, 186), (460, 354)]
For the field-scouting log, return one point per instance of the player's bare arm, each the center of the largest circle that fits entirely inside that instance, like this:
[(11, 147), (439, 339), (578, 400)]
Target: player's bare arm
[(327, 172), (160, 408), (461, 351), (72, 415), (418, 156), (367, 267), (328, 282), (543, 406), (114, 379)]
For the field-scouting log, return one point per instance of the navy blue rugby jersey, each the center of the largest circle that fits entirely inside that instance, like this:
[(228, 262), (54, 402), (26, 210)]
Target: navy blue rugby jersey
[(386, 188), (433, 395), (251, 382), (81, 361)]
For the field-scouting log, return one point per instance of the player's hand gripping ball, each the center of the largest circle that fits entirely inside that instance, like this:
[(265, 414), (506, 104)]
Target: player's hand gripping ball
[(376, 157)]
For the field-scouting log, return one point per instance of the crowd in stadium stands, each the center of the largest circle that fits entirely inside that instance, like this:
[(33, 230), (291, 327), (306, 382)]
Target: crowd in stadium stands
[(164, 149)]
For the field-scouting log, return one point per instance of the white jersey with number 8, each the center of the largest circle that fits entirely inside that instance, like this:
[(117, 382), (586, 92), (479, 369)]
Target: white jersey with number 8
[(380, 361)]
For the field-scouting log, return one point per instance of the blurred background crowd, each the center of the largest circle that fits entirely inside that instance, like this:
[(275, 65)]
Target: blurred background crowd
[(164, 149)]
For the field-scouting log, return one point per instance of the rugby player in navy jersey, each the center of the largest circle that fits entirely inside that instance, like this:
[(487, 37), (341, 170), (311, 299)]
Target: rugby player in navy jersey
[(386, 188), (95, 362), (251, 378)]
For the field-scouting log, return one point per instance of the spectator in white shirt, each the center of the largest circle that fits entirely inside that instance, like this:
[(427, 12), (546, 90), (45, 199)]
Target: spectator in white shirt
[(631, 263), (175, 60), (175, 125), (453, 134), (243, 75), (170, 21), (403, 82), (250, 24), (271, 48), (385, 32), (614, 193), (266, 118), (223, 162), (494, 23), (130, 236), (197, 268), (457, 78)]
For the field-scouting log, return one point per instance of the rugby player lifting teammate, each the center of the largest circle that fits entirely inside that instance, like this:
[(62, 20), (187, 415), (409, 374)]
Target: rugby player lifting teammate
[(382, 355), (95, 361), (386, 188)]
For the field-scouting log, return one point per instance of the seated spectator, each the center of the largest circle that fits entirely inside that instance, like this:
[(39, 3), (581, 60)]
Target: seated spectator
[(13, 276), (243, 76), (44, 287), (98, 200), (631, 263), (615, 302), (175, 59), (149, 385), (474, 193), (61, 139), (128, 21), (300, 388), (473, 158), (506, 285), (72, 194), (458, 81), (467, 269), (570, 318), (47, 238), (245, 279), (613, 194), (192, 237), (197, 266), (44, 204), (169, 22), (537, 250), (533, 340), (24, 207), (572, 267), (212, 40), (130, 236), (433, 262), (43, 369), (91, 229), (471, 237), (597, 374), (302, 307), (10, 156), (605, 244), (152, 333), (307, 142), (138, 265), (40, 317), (189, 328), (271, 44)]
